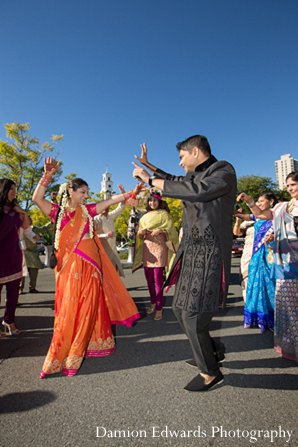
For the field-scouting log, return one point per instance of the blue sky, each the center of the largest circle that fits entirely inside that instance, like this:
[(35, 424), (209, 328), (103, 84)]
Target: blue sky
[(111, 75)]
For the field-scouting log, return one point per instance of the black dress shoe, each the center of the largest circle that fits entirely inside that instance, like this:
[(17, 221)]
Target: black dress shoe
[(219, 356), (33, 291), (191, 363), (197, 384)]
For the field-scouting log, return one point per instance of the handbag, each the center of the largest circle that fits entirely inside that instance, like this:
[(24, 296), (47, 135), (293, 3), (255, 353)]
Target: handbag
[(53, 259)]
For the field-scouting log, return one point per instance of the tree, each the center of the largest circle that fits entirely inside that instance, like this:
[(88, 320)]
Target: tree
[(176, 210), (121, 224), (254, 186), (21, 159)]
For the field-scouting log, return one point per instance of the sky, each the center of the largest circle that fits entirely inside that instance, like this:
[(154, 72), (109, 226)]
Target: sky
[(110, 75)]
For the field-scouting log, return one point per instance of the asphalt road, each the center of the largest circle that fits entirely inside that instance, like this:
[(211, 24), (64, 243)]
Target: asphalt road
[(136, 396)]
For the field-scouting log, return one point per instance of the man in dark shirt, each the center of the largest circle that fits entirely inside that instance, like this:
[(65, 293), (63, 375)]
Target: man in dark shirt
[(203, 260)]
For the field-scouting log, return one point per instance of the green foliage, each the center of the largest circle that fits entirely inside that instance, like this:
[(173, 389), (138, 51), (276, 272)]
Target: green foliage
[(176, 211), (46, 232), (254, 186), (21, 159), (42, 225), (38, 218), (121, 224)]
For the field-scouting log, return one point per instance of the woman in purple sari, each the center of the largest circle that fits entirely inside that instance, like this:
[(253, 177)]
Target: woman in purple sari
[(12, 217)]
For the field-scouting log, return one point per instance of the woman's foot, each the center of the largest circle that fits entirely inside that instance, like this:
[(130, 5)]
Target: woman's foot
[(10, 329), (158, 315), (150, 309)]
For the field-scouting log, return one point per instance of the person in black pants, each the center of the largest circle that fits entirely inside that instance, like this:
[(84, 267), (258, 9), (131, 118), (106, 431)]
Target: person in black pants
[(202, 264)]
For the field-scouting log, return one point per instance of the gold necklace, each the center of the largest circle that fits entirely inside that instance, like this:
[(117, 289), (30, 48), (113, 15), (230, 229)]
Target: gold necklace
[(70, 209)]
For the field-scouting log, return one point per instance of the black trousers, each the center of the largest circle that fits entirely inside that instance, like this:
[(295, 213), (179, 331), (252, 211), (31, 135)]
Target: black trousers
[(196, 327)]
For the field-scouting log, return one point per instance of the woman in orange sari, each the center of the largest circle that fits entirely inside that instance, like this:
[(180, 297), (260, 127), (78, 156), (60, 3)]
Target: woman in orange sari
[(90, 296)]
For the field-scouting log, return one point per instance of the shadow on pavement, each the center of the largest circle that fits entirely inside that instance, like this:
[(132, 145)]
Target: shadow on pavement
[(263, 381), (272, 363), (16, 402)]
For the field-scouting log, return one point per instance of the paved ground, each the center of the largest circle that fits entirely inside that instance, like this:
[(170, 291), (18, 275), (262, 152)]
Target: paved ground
[(136, 396)]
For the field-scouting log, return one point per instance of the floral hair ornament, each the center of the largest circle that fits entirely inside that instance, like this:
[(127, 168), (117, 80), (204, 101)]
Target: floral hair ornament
[(62, 189), (156, 193)]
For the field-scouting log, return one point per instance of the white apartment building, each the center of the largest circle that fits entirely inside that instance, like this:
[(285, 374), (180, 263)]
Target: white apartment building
[(283, 167)]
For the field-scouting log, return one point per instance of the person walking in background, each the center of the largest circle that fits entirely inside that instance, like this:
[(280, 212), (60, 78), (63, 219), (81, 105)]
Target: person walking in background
[(90, 295), (32, 260), (284, 267), (259, 304), (155, 235), (106, 231), (243, 228), (12, 218), (201, 267)]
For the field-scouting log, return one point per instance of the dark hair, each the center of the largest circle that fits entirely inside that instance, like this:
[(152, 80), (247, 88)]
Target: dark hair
[(75, 184), (5, 185), (195, 141), (162, 204), (293, 175), (269, 196)]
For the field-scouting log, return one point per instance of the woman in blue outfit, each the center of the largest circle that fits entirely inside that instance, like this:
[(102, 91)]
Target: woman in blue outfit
[(259, 305)]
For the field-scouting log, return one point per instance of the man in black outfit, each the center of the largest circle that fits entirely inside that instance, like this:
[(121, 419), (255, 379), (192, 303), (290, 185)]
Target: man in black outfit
[(203, 259)]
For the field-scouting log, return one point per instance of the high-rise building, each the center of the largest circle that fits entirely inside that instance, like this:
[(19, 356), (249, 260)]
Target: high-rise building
[(283, 167), (107, 185)]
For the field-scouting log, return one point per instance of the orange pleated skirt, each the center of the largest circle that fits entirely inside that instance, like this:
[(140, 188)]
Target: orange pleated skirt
[(90, 296)]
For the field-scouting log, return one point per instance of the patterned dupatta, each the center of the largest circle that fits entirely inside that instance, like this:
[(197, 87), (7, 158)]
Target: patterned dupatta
[(285, 262), (121, 307), (157, 219), (70, 238), (266, 227)]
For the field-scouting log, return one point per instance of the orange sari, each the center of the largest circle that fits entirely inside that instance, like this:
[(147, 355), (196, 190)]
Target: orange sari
[(90, 296)]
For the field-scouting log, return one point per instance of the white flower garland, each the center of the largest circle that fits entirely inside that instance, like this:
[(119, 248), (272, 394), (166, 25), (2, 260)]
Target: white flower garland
[(63, 192)]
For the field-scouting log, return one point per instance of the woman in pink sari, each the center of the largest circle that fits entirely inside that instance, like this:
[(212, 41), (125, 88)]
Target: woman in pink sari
[(90, 296)]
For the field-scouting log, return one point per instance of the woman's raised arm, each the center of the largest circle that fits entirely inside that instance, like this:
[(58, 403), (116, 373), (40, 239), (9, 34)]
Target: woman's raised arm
[(50, 168), (266, 214)]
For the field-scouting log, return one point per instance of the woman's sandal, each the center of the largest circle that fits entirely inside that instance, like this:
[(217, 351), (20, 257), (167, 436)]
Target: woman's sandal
[(10, 329), (150, 309), (158, 315)]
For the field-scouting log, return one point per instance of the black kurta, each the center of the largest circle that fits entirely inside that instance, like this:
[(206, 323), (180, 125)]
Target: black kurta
[(208, 196)]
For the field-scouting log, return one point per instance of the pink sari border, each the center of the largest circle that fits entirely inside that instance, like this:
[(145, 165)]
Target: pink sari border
[(88, 259), (174, 276), (129, 322), (69, 372), (279, 350), (96, 353)]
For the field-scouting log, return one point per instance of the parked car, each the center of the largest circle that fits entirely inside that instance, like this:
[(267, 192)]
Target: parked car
[(237, 247), (122, 248), (41, 247)]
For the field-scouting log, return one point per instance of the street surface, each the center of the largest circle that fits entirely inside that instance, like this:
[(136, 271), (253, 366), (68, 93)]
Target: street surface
[(135, 396)]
